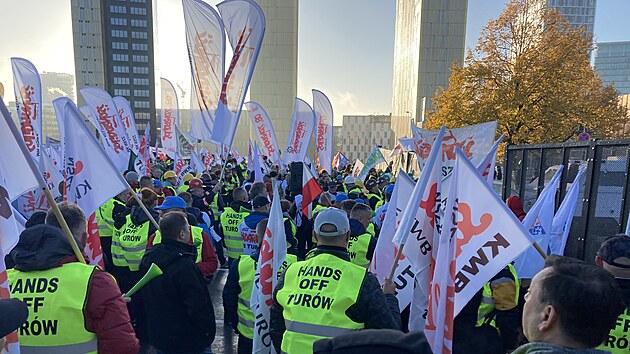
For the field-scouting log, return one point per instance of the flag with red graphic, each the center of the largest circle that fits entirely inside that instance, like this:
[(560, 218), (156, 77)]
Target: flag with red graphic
[(385, 250), (195, 162), (271, 262), (310, 191), (91, 178), (488, 235), (181, 168), (486, 165)]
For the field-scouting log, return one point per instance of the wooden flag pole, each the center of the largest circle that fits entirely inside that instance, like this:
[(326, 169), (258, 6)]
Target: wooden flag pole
[(64, 225), (540, 250), (398, 254)]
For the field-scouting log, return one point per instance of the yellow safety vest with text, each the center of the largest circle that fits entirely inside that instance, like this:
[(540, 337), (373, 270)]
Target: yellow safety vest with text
[(486, 308), (129, 244), (370, 229), (105, 219), (196, 234), (315, 296), (618, 340), (230, 220), (246, 272), (358, 248), (56, 299)]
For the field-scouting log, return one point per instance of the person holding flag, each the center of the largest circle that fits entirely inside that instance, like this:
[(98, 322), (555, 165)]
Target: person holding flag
[(327, 295), (105, 216)]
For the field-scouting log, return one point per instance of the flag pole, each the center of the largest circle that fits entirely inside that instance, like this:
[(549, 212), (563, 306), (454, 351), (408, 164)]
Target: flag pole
[(42, 183), (398, 253), (144, 208), (540, 250)]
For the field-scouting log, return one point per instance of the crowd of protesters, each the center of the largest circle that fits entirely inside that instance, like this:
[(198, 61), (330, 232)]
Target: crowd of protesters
[(216, 221)]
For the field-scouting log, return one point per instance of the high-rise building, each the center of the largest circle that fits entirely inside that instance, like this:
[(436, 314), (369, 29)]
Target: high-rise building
[(430, 36), (113, 49), (612, 62), (54, 85), (578, 12), (274, 84), (359, 134)]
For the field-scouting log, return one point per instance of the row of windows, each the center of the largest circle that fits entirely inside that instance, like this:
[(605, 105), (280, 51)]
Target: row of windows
[(120, 57), (141, 104), (121, 69), (122, 92), (139, 46), (119, 21), (140, 58), (120, 45), (139, 35), (144, 82), (143, 115), (140, 70), (84, 27), (139, 23), (121, 81), (141, 93), (117, 9), (119, 34), (137, 11)]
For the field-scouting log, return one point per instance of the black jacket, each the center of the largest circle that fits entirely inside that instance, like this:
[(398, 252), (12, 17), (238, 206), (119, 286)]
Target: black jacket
[(138, 217), (180, 316), (357, 229), (231, 291), (373, 308)]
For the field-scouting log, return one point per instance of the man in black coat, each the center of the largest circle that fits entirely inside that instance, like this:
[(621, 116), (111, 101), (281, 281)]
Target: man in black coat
[(178, 305)]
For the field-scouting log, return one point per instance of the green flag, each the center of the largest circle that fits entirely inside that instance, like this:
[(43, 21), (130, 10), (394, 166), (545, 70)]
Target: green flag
[(376, 157)]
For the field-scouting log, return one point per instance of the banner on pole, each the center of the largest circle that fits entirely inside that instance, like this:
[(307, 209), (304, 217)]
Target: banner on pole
[(264, 130), (169, 114), (324, 133)]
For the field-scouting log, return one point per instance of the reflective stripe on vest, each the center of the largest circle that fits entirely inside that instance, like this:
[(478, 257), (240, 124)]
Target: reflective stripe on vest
[(293, 230), (486, 308), (246, 272), (129, 244), (358, 248), (314, 299), (618, 338), (197, 239), (230, 220), (105, 219), (214, 206), (57, 296)]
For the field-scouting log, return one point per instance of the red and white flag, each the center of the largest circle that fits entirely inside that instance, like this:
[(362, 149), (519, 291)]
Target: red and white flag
[(195, 163), (324, 133), (486, 165), (169, 114), (258, 174), (245, 26), (181, 168), (129, 122), (271, 261), (302, 127), (28, 99), (264, 130), (310, 191), (205, 39)]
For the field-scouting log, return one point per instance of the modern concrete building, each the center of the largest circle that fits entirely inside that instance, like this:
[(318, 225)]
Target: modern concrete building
[(430, 36), (624, 100), (612, 62), (113, 49), (578, 12), (359, 134)]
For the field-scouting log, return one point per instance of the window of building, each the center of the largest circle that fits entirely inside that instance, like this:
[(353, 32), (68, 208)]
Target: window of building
[(141, 104), (139, 1), (139, 35), (141, 70), (120, 57), (120, 45), (144, 82), (121, 69), (118, 9), (119, 34), (139, 46), (118, 21), (141, 58), (121, 92), (139, 23), (141, 93), (121, 81), (137, 11)]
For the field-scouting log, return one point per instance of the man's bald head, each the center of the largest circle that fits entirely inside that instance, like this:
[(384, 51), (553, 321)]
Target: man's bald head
[(362, 213)]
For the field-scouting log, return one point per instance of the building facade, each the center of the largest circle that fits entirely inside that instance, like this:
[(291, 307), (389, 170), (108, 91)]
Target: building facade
[(430, 36), (577, 12), (612, 62), (114, 50), (359, 134)]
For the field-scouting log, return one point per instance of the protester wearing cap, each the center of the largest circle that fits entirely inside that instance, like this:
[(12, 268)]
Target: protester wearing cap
[(184, 187), (614, 257), (157, 188), (339, 199), (205, 257), (350, 186), (382, 210), (238, 290), (247, 229), (203, 199), (132, 178), (170, 181), (332, 190), (326, 295), (373, 196), (80, 310)]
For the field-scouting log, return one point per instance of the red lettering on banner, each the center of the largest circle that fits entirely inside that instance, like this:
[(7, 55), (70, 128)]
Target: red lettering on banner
[(125, 118), (109, 123), (322, 128), (266, 268), (93, 249), (466, 226), (167, 131), (299, 134), (204, 63), (28, 114), (450, 142), (238, 51), (4, 294), (266, 140)]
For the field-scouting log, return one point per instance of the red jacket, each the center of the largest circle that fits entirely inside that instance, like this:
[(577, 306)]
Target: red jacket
[(106, 314), (209, 261)]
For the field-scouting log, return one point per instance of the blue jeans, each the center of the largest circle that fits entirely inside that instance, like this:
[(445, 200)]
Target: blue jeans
[(205, 351)]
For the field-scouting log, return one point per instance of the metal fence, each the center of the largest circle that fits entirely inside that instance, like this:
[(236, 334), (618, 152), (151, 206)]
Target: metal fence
[(602, 209)]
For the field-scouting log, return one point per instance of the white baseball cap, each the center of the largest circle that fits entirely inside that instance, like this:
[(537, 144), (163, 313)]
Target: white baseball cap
[(332, 217)]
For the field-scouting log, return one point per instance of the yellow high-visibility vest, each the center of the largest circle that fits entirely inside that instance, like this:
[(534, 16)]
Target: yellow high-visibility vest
[(196, 234), (129, 244)]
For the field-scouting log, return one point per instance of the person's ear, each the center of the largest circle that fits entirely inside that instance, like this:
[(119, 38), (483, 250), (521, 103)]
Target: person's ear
[(315, 236), (599, 261), (347, 237), (549, 318)]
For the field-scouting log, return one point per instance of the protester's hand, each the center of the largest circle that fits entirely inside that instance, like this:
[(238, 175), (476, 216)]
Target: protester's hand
[(389, 287)]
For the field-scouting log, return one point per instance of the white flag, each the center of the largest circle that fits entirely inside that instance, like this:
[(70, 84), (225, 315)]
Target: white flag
[(51, 174), (129, 122), (302, 126), (375, 157), (105, 114), (385, 251), (564, 217), (258, 175), (539, 221), (169, 114), (273, 252), (245, 26), (488, 234), (358, 166), (195, 162), (21, 178), (264, 130), (91, 177), (324, 134), (205, 39), (181, 168), (28, 99), (486, 165), (9, 236)]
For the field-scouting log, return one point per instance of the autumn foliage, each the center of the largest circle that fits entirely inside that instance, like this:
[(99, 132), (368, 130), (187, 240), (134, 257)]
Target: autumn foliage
[(530, 71)]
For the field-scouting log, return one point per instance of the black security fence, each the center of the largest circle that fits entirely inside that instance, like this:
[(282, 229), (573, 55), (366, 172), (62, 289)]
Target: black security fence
[(602, 208)]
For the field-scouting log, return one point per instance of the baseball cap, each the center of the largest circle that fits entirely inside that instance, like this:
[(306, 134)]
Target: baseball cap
[(260, 201), (171, 202), (341, 197), (370, 183), (157, 183), (340, 176), (389, 189), (382, 180), (195, 183), (188, 177), (348, 180), (13, 313), (359, 200), (333, 184), (613, 248), (131, 176), (332, 217), (169, 174)]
